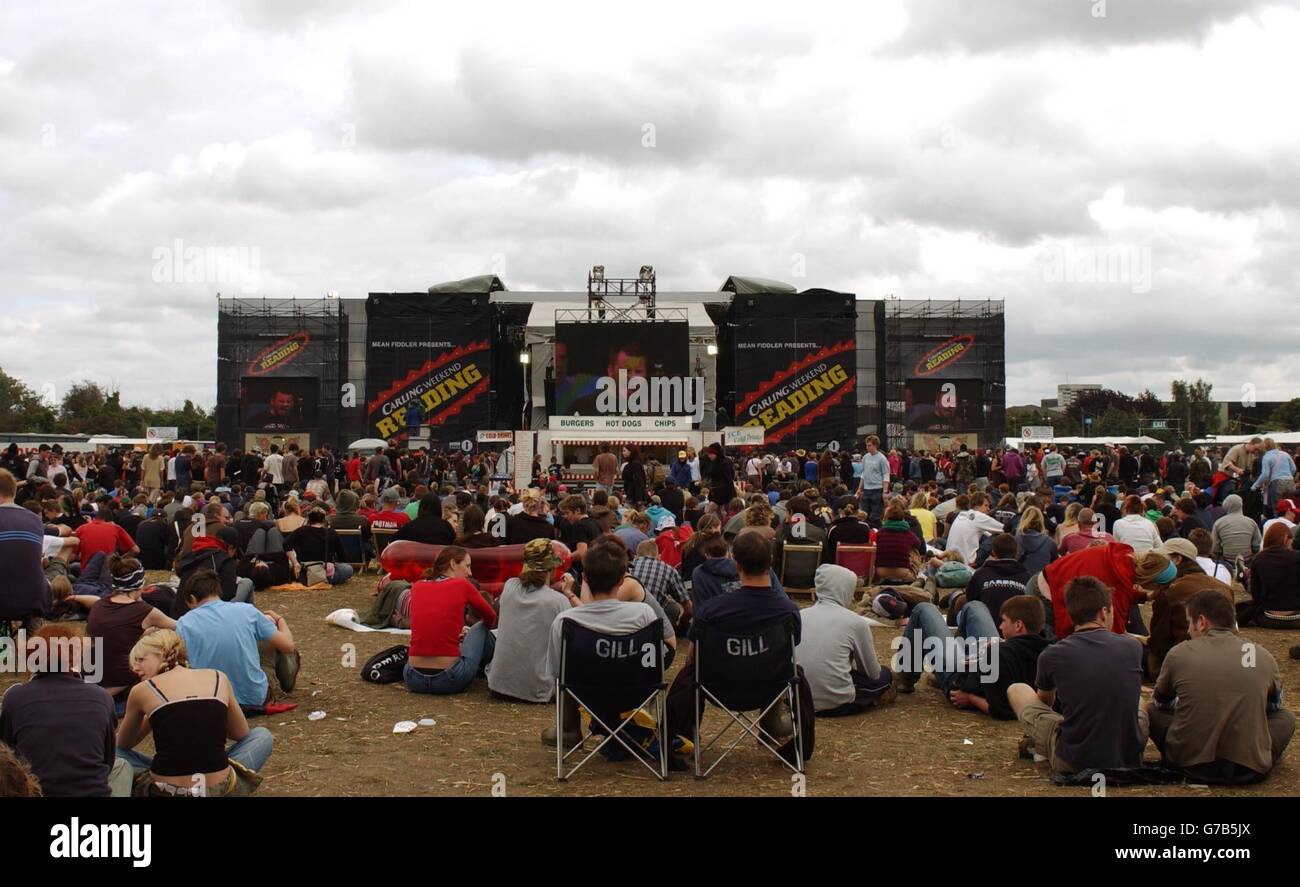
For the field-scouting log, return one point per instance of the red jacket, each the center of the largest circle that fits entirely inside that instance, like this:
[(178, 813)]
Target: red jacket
[(1112, 564), (670, 543)]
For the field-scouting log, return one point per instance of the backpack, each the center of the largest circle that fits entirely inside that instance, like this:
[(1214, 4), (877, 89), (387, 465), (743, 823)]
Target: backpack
[(386, 666)]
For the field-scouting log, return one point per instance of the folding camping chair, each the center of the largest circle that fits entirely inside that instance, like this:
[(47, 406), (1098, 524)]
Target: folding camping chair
[(861, 559), (347, 537), (608, 675), (799, 562), (381, 539), (739, 672)]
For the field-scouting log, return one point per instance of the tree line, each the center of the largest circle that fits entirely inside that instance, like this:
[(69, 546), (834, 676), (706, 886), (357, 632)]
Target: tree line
[(89, 408)]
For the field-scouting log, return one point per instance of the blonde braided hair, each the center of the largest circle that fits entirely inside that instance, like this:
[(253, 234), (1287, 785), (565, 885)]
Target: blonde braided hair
[(166, 643)]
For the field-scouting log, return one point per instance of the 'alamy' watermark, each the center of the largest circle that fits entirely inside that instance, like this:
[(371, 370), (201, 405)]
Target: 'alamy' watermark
[(1117, 263), (917, 653), (627, 394), (103, 841), (237, 266), (23, 654)]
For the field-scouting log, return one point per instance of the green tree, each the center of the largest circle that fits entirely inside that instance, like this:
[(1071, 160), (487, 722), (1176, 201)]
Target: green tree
[(1149, 406), (1193, 405), (1286, 417), (21, 408)]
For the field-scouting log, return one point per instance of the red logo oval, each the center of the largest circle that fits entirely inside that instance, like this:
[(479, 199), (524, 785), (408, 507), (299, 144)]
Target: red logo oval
[(279, 354), (948, 353)]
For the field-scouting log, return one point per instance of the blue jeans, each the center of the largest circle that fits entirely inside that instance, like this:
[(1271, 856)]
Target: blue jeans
[(974, 621), (342, 573), (475, 651), (873, 503), (867, 690), (1280, 489), (252, 751)]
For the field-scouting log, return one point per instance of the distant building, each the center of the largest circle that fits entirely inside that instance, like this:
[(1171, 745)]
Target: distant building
[(1066, 394)]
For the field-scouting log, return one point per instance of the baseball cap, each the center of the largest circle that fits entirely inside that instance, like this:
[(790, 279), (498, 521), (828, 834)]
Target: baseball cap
[(1287, 505), (665, 522), (1178, 546), (539, 554), (390, 495), (681, 454)]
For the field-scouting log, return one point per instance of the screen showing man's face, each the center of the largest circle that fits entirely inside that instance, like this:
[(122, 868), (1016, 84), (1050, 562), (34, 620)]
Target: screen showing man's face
[(631, 360), (281, 403)]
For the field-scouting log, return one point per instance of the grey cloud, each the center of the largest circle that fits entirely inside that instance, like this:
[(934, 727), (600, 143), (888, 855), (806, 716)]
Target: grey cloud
[(997, 25)]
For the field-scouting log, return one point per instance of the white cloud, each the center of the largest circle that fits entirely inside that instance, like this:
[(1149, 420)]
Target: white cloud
[(901, 148)]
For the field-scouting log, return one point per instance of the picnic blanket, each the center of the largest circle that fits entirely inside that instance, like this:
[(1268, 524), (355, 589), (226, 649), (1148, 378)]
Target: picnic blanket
[(347, 618)]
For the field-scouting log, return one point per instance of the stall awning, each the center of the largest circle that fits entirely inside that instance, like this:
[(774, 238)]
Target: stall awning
[(670, 438)]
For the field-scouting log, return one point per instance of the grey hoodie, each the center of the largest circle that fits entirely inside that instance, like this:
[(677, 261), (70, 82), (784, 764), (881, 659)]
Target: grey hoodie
[(836, 641), (1234, 534)]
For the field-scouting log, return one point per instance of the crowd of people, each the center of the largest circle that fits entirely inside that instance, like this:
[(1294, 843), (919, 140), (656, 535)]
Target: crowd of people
[(1024, 569)]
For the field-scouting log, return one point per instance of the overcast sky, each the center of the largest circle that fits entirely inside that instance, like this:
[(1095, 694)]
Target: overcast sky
[(1129, 182)]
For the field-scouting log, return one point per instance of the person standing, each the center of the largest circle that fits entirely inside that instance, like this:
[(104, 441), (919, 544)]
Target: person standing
[(605, 466), (152, 471), (721, 477), (214, 471), (1276, 474), (871, 485)]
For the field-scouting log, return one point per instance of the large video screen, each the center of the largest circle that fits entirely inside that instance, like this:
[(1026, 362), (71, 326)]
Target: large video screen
[(944, 404), (584, 352), (272, 404)]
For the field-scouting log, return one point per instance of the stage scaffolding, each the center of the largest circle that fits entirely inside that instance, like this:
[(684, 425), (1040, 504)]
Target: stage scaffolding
[(248, 327), (911, 328)]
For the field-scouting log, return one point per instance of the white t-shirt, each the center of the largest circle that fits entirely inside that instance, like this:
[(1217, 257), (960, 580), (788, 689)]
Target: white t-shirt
[(754, 467), (1136, 531), (1278, 520), (274, 465), (968, 528)]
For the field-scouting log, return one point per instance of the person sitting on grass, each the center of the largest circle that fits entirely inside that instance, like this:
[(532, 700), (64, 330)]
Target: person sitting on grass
[(661, 581), (530, 603), (1090, 532), (315, 544), (1001, 578), (61, 724), (1217, 713), (118, 620), (837, 652), (1098, 676), (1274, 583), (446, 654), (1132, 578), (17, 779), (227, 636), (1017, 642), (190, 712)]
